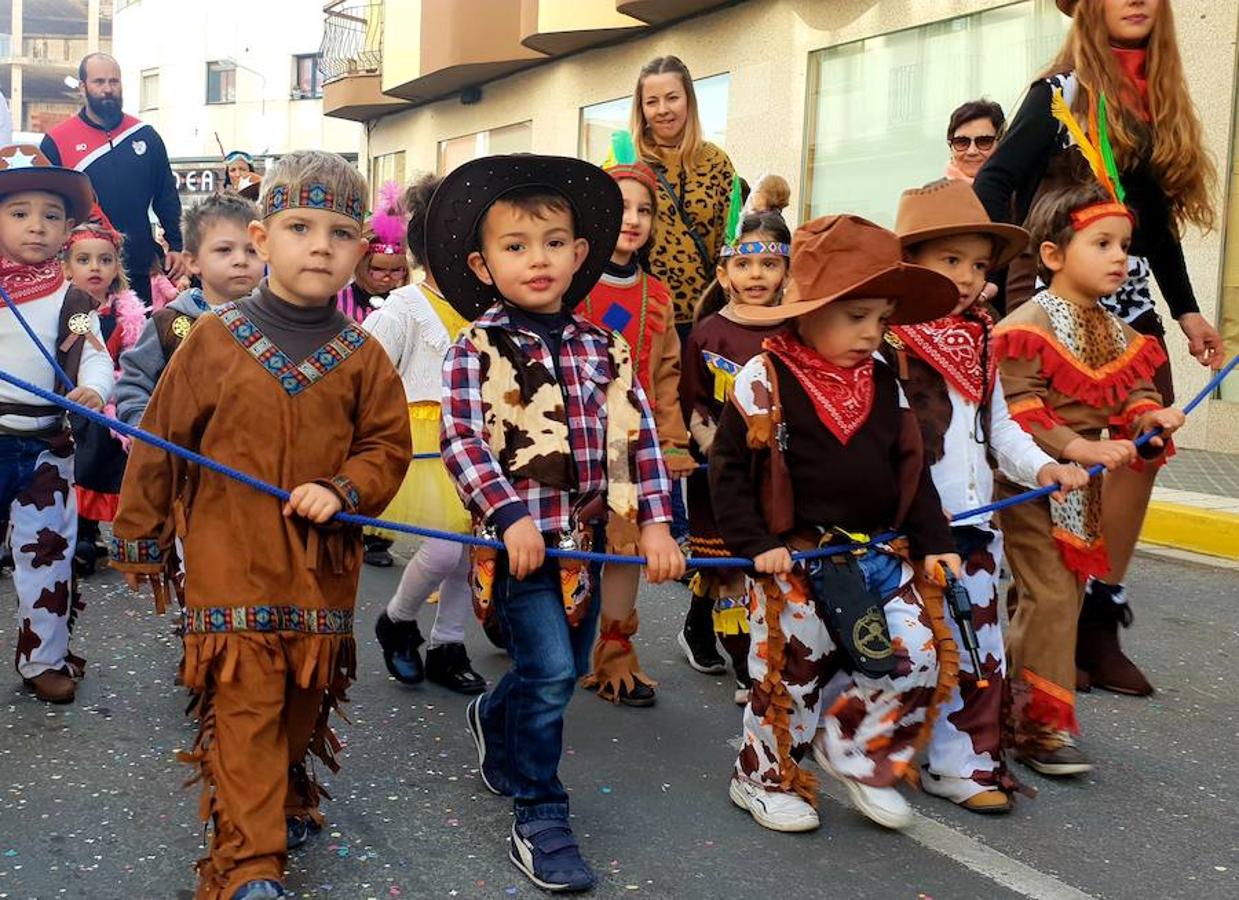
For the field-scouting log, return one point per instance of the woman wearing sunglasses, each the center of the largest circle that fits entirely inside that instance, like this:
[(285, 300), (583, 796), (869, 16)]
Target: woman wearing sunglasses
[(973, 131)]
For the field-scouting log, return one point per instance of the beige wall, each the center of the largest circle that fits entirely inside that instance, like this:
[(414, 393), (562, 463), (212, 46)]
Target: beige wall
[(765, 45)]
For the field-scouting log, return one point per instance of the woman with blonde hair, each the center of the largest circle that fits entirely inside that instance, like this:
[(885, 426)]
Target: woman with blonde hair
[(1124, 51), (694, 182)]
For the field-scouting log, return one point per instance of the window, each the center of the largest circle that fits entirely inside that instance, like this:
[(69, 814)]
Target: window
[(878, 108), (307, 82), (601, 119), (149, 90), (221, 82), (516, 138), (384, 168)]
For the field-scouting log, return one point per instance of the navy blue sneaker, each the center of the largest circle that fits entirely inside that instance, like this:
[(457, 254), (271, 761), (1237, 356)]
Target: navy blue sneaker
[(400, 641), (258, 890), (546, 851), (300, 830), (492, 780)]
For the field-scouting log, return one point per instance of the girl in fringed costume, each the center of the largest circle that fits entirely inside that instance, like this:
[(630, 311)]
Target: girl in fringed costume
[(1071, 370), (93, 263), (632, 303), (416, 326), (948, 370), (817, 448), (383, 268), (1128, 52), (282, 385), (752, 272)]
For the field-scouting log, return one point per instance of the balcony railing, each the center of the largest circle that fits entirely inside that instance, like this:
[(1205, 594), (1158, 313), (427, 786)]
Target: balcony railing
[(352, 38)]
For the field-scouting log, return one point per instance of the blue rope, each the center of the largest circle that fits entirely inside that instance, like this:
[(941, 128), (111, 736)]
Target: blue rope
[(700, 563), (50, 357)]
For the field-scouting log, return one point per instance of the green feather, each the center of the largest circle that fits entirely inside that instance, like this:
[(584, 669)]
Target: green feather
[(1107, 151), (732, 233), (623, 151)]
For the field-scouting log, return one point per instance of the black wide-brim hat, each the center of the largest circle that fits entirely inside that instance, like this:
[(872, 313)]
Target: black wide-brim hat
[(454, 218)]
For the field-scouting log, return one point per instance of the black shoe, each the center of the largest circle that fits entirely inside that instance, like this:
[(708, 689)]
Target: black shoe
[(377, 552), (493, 781), (400, 641), (300, 830), (259, 890), (696, 639), (84, 559), (641, 695), (448, 665)]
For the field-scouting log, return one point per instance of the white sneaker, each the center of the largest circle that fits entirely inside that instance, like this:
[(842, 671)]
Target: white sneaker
[(776, 810), (741, 696), (883, 805)]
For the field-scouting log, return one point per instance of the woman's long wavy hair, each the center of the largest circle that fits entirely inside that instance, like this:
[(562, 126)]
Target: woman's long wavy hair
[(1177, 153), (642, 135)]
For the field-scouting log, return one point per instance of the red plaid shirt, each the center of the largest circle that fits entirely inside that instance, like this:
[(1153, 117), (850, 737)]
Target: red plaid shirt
[(585, 370)]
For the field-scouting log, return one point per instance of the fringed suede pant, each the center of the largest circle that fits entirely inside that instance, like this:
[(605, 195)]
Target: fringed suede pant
[(264, 701), (870, 728)]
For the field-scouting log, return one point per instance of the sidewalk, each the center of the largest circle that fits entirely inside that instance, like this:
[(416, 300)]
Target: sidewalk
[(1196, 504)]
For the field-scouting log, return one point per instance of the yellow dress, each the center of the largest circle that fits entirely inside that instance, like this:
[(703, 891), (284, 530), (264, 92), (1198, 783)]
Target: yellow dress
[(428, 497)]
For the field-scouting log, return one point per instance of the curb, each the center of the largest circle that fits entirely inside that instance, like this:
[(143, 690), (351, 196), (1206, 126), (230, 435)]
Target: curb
[(1208, 531)]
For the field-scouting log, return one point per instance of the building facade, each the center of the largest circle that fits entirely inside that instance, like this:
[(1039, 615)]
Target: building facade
[(848, 99), (41, 42), (225, 75)]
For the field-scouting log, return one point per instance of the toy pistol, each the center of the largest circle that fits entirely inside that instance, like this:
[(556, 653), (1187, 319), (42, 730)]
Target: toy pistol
[(958, 601)]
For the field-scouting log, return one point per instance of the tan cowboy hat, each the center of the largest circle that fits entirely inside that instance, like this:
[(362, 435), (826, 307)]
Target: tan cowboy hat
[(23, 167), (949, 207), (847, 257)]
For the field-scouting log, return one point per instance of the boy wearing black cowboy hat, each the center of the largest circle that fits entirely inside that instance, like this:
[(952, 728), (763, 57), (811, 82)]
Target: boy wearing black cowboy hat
[(818, 402), (544, 428), (39, 204)]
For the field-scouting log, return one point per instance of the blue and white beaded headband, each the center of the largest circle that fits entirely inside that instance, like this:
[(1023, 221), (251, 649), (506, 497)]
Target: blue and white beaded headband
[(756, 248), (314, 195)]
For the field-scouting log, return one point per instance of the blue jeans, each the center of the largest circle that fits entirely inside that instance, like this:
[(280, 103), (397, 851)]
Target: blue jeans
[(523, 715), (18, 457), (883, 572)]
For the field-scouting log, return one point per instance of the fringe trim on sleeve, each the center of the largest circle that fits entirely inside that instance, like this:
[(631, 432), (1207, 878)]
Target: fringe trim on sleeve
[(1106, 386)]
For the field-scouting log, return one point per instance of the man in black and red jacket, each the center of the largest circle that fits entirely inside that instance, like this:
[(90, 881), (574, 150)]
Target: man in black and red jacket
[(127, 164)]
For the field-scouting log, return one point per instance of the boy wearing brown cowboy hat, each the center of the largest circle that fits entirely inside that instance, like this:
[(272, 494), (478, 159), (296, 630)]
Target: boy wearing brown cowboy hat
[(818, 448), (949, 372), (545, 430), (39, 203)]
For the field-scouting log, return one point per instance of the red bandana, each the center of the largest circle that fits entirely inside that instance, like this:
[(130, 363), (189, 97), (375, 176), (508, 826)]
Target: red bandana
[(1132, 62), (23, 282), (952, 345), (842, 397)]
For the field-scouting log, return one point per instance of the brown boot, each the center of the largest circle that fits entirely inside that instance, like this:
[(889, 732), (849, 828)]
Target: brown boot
[(53, 687), (1097, 645), (617, 674)]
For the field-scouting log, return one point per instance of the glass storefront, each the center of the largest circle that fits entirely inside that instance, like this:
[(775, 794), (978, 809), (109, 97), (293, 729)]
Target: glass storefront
[(878, 108), (455, 151), (601, 119)]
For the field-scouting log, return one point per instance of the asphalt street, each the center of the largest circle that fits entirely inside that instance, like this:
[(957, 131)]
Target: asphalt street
[(92, 803)]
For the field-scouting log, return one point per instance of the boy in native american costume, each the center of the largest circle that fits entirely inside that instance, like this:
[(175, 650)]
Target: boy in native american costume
[(39, 203), (948, 370), (818, 448), (282, 386), (548, 434), (1070, 370)]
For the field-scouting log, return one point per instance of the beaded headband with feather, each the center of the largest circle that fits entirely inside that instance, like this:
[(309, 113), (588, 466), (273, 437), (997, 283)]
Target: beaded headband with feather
[(1100, 159), (622, 162), (389, 222), (732, 246)]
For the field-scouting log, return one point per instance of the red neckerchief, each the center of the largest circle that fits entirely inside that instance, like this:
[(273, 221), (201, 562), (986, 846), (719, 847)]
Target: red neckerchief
[(1132, 62), (953, 346), (841, 397), (23, 282)]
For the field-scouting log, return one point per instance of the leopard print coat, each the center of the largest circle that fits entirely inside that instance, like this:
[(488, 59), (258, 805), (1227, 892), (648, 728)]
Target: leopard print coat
[(704, 190)]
